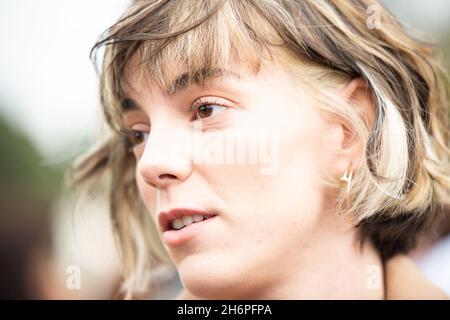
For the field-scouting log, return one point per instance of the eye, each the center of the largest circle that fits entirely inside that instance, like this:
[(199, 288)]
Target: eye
[(137, 135), (207, 109)]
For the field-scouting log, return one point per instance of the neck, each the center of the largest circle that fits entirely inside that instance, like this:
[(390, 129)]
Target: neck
[(337, 269)]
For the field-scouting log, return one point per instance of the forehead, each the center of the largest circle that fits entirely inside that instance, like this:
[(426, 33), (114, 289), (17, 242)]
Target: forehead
[(142, 76), (160, 78), (203, 79), (183, 80)]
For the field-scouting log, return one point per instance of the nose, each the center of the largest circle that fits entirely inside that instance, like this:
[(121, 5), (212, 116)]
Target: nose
[(164, 161)]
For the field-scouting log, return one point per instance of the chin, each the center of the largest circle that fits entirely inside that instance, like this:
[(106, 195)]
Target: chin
[(210, 280)]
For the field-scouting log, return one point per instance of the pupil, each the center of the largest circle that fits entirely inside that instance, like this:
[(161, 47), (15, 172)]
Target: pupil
[(204, 111), (136, 137)]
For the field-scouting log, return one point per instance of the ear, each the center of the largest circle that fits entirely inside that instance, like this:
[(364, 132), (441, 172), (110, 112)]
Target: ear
[(350, 151), (361, 98)]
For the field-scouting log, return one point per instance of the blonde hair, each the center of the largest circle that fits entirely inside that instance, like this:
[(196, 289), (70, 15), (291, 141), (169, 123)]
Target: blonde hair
[(403, 185)]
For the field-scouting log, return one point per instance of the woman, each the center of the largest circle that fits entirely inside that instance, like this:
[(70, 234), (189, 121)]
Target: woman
[(272, 149)]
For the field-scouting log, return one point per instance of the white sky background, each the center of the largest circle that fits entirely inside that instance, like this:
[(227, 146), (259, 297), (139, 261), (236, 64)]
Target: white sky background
[(48, 86), (426, 17)]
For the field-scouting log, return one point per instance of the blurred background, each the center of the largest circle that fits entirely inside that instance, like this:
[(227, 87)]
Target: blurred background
[(49, 112)]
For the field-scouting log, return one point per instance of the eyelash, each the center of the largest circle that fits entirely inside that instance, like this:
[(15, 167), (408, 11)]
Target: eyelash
[(132, 136), (203, 102)]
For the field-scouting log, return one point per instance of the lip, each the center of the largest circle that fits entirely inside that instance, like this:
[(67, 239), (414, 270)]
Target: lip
[(174, 237), (165, 218)]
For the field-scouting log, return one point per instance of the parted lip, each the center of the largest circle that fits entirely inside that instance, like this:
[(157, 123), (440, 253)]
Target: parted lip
[(165, 217)]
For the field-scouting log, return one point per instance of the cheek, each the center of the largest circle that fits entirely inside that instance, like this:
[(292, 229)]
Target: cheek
[(140, 185), (262, 205), (299, 187), (147, 194)]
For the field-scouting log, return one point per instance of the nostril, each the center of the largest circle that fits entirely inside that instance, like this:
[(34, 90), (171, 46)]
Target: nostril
[(160, 180), (166, 176)]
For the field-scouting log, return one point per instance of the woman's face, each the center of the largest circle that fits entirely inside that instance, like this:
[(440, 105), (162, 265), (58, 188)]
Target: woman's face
[(248, 153)]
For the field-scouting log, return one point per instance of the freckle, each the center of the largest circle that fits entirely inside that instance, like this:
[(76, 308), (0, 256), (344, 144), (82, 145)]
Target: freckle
[(258, 241)]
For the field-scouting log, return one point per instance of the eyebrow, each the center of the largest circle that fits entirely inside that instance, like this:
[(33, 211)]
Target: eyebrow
[(182, 82)]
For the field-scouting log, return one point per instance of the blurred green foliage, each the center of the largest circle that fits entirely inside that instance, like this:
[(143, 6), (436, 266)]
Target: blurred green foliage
[(23, 174)]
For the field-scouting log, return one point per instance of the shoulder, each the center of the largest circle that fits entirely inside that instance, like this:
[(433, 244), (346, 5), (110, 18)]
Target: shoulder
[(404, 280), (186, 295)]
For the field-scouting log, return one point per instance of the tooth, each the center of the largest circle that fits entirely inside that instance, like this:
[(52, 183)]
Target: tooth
[(177, 224), (187, 220), (205, 217), (197, 218)]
